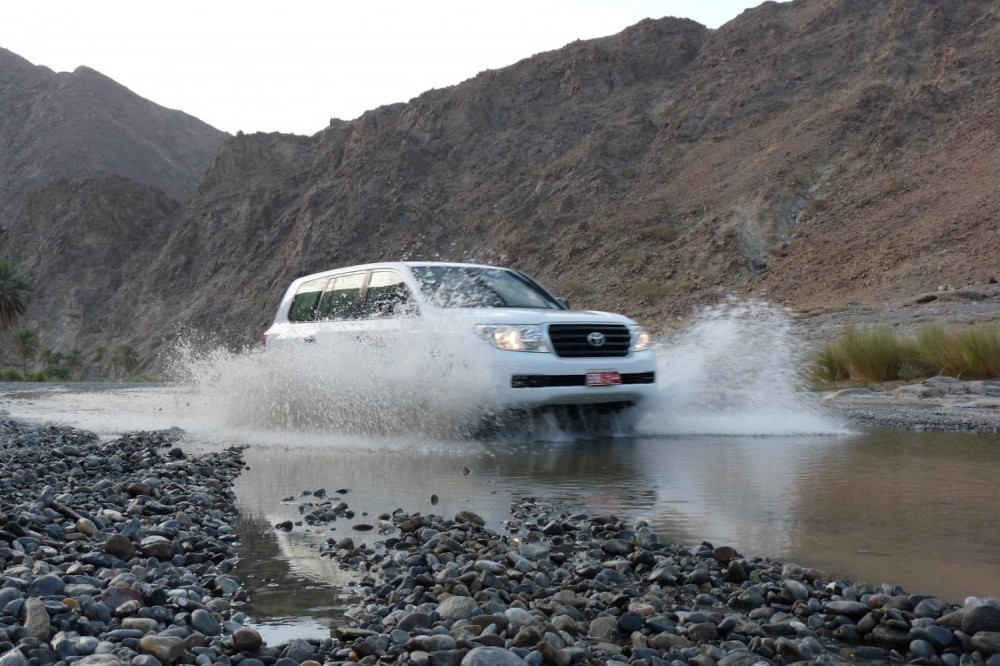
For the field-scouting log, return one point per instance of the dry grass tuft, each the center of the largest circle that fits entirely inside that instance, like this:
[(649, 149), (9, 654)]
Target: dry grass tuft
[(879, 355), (652, 290)]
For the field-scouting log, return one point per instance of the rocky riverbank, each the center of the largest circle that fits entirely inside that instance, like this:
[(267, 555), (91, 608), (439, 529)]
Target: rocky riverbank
[(939, 403), (115, 552), (122, 553)]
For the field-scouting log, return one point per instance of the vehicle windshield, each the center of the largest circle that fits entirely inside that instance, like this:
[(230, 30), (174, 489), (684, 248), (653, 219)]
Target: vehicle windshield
[(475, 287)]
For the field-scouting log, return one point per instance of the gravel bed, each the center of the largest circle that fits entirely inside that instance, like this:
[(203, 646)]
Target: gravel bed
[(939, 404), (122, 553), (936, 419), (560, 589), (115, 552)]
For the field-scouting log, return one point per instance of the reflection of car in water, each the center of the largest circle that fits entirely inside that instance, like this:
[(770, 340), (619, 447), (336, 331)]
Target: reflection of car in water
[(535, 351)]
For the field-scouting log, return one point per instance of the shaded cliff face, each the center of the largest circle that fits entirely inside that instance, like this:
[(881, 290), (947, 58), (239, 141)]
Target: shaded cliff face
[(98, 237), (814, 152), (80, 124)]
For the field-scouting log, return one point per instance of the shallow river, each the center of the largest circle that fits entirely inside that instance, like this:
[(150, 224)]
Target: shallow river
[(917, 509)]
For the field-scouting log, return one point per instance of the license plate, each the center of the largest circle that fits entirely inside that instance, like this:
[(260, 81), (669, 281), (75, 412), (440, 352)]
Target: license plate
[(611, 378)]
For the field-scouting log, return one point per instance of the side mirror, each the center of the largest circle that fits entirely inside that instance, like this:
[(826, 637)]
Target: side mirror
[(563, 302)]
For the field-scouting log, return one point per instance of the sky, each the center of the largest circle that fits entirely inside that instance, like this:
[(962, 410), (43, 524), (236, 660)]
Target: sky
[(291, 65)]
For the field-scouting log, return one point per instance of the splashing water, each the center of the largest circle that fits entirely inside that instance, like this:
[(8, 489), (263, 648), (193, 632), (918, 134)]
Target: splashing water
[(733, 373), (736, 371), (388, 383)]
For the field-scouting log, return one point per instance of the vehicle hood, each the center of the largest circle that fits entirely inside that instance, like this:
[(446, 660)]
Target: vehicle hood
[(530, 316)]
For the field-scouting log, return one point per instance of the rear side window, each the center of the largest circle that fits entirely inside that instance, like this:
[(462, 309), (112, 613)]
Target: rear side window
[(305, 301), (341, 301), (388, 296)]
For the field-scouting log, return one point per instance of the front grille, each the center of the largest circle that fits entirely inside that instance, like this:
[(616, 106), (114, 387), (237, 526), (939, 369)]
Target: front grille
[(546, 381), (570, 340)]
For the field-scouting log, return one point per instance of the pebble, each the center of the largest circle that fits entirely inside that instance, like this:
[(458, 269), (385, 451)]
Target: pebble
[(456, 608), (152, 583), (980, 618), (246, 640)]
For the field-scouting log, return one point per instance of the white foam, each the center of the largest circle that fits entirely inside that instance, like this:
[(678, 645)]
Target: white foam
[(736, 371)]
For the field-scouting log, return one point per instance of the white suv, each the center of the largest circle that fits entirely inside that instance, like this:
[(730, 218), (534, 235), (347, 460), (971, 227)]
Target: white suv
[(530, 348)]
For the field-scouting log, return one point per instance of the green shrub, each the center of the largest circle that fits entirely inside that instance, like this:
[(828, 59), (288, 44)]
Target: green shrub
[(58, 373), (11, 375), (142, 378), (829, 366), (633, 259), (652, 290), (813, 207), (39, 376), (936, 350), (980, 351), (665, 233), (878, 354), (871, 355), (570, 287)]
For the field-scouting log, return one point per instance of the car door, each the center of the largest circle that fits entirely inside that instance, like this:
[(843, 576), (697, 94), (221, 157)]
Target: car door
[(302, 313), (339, 311), (389, 309)]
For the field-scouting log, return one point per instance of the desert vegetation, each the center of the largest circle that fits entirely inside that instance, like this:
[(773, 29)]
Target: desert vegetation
[(56, 365), (880, 354)]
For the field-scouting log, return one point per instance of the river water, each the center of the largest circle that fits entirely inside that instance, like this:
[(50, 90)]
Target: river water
[(732, 451), (915, 509)]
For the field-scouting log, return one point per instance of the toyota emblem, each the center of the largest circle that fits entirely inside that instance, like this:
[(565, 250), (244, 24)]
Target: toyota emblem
[(596, 339)]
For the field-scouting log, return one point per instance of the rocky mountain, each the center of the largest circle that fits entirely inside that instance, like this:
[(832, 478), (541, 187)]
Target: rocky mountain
[(817, 153), (82, 124)]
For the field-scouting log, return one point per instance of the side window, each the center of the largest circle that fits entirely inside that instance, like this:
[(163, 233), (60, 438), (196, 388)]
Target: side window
[(387, 296), (304, 304), (341, 299)]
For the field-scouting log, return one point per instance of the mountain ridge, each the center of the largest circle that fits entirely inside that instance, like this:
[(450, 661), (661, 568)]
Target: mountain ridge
[(815, 153), (80, 124)]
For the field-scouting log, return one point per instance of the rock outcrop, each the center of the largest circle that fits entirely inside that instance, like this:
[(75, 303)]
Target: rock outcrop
[(815, 152)]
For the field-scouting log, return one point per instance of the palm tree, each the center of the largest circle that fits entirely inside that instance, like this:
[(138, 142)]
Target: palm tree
[(15, 292), (26, 345), (99, 354), (74, 360), (127, 358), (52, 358)]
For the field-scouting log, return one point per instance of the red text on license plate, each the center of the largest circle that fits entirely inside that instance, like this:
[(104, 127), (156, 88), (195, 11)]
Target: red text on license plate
[(611, 378)]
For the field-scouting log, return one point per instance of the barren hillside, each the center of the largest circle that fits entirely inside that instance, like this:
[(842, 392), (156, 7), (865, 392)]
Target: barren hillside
[(817, 152), (82, 124)]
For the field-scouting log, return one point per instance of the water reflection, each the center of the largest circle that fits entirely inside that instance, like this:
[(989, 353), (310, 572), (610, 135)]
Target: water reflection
[(907, 508), (286, 578)]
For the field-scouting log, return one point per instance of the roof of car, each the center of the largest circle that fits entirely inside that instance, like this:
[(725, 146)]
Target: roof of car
[(386, 264)]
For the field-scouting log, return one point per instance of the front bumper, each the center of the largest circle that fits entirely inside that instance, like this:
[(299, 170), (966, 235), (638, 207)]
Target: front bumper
[(524, 380)]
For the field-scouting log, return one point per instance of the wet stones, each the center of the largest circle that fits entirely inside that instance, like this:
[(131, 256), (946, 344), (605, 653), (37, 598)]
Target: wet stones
[(36, 618), (157, 546), (14, 657), (987, 642), (73, 585), (119, 546), (468, 517), (981, 618), (457, 608), (167, 649), (725, 554), (485, 656), (852, 609), (630, 621), (603, 627), (46, 586), (203, 621), (246, 639)]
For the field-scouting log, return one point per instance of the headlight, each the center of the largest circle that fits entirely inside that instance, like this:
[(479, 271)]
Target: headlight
[(641, 339), (529, 338)]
